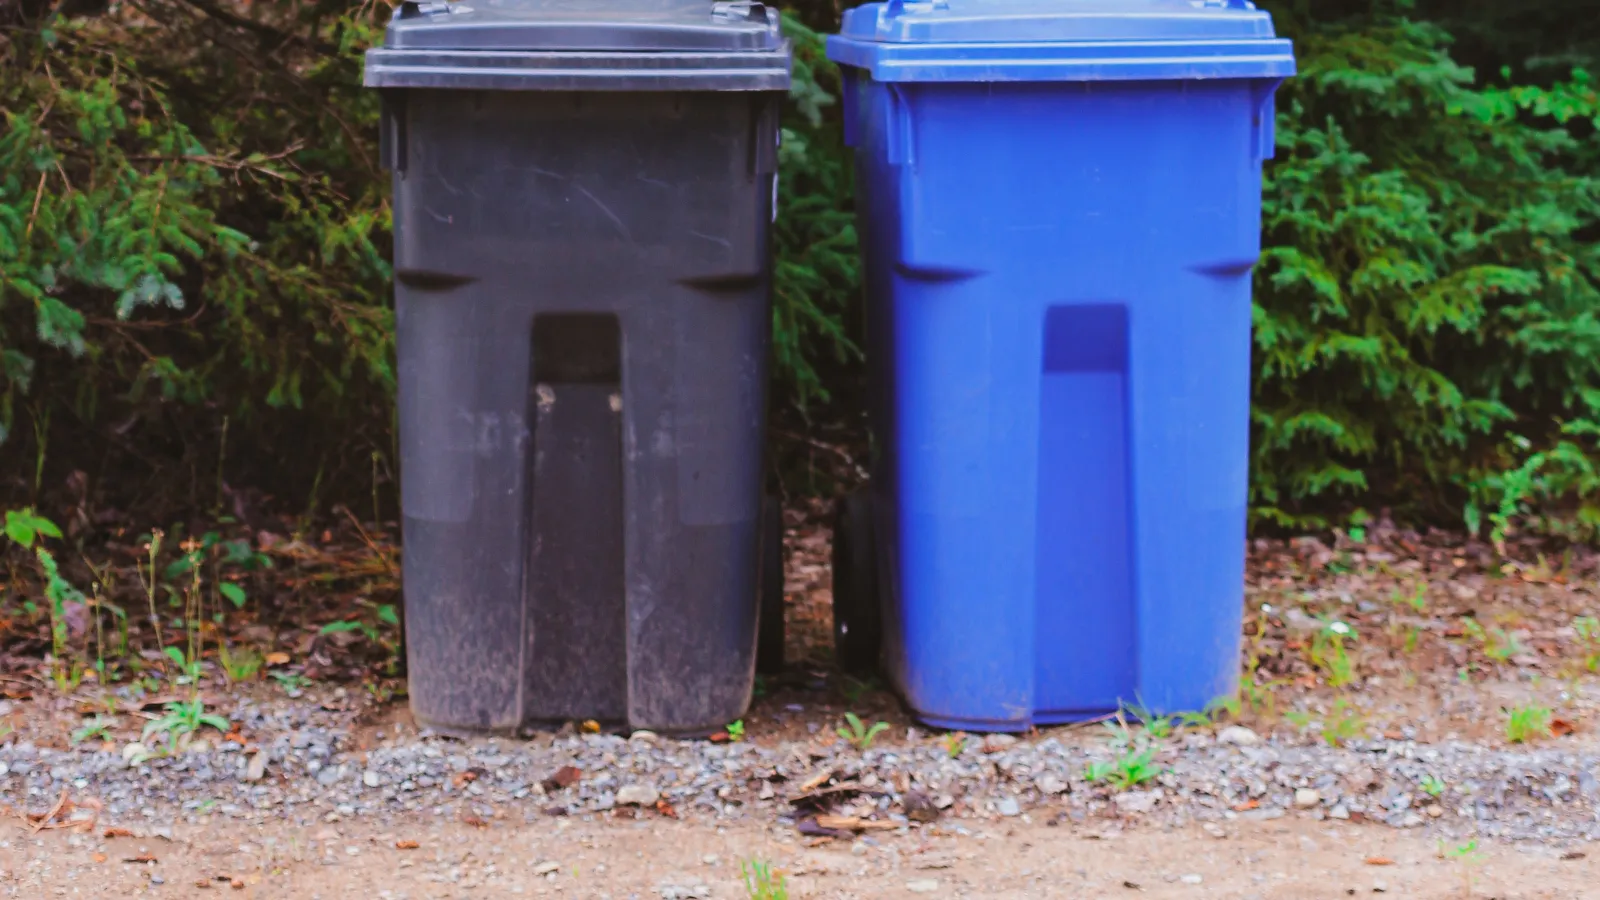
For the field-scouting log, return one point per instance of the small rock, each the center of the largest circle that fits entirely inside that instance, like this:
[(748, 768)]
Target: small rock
[(1137, 802), (371, 778), (637, 795), (1434, 811), (995, 743), (545, 868), (255, 768), (943, 801), (1412, 820), (1215, 830), (1008, 807), (683, 891), (1306, 798), (1050, 783), (1379, 887), (157, 879), (922, 886), (920, 807), (644, 736), (1339, 812), (1239, 736), (135, 753), (1191, 878)]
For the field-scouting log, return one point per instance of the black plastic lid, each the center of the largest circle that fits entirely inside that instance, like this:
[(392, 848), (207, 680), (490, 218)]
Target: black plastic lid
[(585, 25)]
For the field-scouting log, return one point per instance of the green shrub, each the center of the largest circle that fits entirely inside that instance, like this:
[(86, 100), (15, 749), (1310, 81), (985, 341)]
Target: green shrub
[(1426, 329)]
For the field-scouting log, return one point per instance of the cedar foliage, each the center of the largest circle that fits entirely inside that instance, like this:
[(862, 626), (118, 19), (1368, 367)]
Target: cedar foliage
[(193, 240)]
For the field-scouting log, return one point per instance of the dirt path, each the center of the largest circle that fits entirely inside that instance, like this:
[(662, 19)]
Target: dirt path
[(662, 859)]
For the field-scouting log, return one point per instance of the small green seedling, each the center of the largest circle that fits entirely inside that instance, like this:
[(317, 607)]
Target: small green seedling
[(1343, 724), (1417, 599), (1329, 654), (97, 728), (1588, 630), (1529, 723), (1498, 643), (291, 682), (762, 883), (240, 665), (185, 717), (857, 733), (1433, 785), (735, 731), (954, 744), (1130, 769)]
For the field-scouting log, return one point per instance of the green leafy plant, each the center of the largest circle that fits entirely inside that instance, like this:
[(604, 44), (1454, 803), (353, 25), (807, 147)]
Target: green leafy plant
[(1587, 629), (1432, 785), (184, 717), (1528, 723), (1328, 653), (239, 665), (1498, 643), (954, 744), (858, 734), (97, 728), (761, 882), (735, 731), (1131, 767), (293, 683), (1343, 724)]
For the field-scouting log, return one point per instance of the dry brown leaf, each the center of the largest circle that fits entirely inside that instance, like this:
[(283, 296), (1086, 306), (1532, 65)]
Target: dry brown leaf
[(462, 779), (1379, 861), (666, 809), (406, 845), (142, 858), (277, 659), (1246, 806), (816, 781), (1562, 727), (474, 821), (99, 857), (236, 883), (853, 823), (117, 832)]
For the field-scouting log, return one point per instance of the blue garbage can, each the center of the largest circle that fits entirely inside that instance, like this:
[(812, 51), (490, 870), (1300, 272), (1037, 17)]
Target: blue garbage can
[(1059, 205)]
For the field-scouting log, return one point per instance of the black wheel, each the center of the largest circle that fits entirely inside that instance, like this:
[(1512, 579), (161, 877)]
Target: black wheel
[(857, 619), (769, 640)]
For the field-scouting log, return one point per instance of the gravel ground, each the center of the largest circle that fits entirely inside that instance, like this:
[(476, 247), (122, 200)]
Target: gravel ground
[(302, 766)]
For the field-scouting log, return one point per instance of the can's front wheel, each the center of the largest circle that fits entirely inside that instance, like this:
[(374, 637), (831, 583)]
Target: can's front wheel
[(857, 628)]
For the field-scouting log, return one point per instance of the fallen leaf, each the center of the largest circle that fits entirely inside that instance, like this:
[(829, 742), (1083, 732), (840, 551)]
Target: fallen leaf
[(203, 884), (1562, 727), (564, 777), (99, 857), (237, 884), (117, 832), (406, 845), (142, 858), (854, 823), (720, 737), (589, 726), (1573, 854), (462, 779), (277, 659), (1379, 861), (816, 781), (666, 809), (1247, 806), (474, 821)]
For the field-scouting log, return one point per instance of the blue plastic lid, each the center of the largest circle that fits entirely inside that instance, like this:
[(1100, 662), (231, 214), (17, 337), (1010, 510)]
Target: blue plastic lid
[(1061, 40)]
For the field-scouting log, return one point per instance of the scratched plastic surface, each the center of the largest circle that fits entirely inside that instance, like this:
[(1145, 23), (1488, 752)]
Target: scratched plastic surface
[(583, 316), (1058, 241)]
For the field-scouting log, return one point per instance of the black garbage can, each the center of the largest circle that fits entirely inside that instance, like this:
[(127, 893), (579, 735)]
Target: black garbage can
[(583, 194)]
